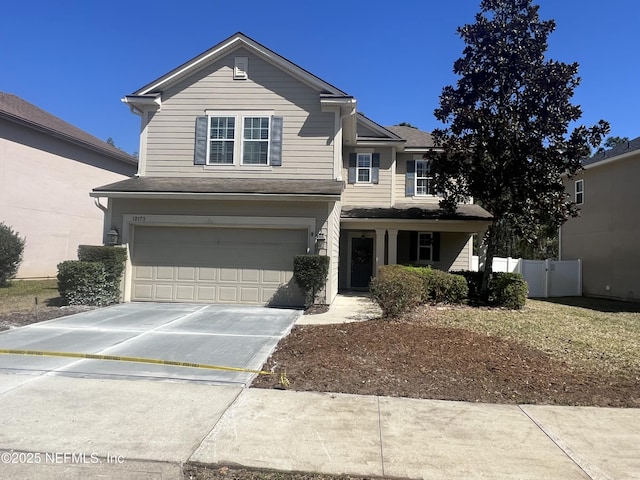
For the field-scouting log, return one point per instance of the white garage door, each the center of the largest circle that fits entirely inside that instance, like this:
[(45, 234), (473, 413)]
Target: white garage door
[(216, 265)]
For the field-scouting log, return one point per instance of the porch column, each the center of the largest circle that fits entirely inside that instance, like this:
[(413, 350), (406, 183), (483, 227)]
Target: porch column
[(379, 250), (393, 246)]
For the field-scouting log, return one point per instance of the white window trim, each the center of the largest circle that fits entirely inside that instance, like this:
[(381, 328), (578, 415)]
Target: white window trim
[(430, 259), (415, 186), (369, 168), (238, 139), (581, 192)]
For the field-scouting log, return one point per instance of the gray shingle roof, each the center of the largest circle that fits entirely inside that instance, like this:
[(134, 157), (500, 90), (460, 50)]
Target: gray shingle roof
[(423, 212), (415, 138), (20, 111), (621, 149), (224, 185)]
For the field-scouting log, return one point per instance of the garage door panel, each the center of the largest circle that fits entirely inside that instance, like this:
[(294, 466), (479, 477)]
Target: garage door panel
[(228, 294), (206, 294), (163, 292), (186, 293), (186, 273), (143, 291), (206, 274), (216, 265)]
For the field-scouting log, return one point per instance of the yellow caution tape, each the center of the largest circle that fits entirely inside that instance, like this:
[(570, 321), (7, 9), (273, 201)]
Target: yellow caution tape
[(41, 353)]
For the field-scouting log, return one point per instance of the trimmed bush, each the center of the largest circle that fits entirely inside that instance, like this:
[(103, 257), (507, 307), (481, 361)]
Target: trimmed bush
[(396, 290), (508, 290), (310, 274), (474, 283), (11, 249), (439, 286), (83, 283), (112, 260)]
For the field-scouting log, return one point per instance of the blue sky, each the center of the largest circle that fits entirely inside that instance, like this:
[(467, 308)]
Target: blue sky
[(78, 58)]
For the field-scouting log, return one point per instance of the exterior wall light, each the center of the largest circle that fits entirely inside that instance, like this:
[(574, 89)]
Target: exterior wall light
[(112, 236)]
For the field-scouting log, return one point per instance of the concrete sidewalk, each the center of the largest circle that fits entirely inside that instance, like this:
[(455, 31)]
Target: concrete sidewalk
[(346, 307), (146, 430)]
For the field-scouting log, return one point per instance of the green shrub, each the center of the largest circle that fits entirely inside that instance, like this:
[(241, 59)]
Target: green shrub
[(474, 282), (83, 283), (439, 286), (396, 290), (310, 274), (11, 249), (112, 259), (508, 290)]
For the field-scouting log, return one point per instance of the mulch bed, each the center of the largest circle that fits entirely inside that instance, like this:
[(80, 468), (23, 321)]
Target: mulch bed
[(20, 319), (416, 360)]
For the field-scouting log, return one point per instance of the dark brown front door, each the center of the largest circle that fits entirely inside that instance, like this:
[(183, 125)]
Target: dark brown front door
[(361, 262)]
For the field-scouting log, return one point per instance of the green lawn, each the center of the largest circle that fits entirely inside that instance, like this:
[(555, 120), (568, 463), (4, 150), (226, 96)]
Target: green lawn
[(597, 334), (21, 295)]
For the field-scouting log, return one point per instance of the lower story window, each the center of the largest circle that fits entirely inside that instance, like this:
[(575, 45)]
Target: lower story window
[(425, 246)]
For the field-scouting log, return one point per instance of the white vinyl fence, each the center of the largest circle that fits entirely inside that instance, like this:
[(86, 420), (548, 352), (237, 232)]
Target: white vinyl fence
[(546, 278)]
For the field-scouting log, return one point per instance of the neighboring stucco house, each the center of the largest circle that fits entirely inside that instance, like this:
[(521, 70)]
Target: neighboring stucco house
[(606, 235), (246, 160), (47, 170)]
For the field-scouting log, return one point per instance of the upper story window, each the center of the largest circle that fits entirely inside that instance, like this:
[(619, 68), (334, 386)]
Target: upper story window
[(255, 141), (579, 192), (363, 168), (237, 139), (424, 178), (221, 140)]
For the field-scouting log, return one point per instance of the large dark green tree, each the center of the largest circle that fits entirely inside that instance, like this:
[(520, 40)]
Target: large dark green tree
[(507, 140)]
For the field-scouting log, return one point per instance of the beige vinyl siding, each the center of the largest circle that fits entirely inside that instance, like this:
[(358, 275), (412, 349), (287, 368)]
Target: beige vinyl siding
[(401, 172), (230, 208), (307, 151), (368, 194), (605, 235), (333, 249)]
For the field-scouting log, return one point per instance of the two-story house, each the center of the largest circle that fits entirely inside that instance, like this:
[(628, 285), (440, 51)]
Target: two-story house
[(606, 234), (247, 159)]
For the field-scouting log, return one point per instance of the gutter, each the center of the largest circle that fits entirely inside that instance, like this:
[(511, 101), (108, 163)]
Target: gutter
[(213, 195)]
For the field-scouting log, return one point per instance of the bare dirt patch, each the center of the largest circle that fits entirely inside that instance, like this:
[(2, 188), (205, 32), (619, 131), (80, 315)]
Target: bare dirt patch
[(20, 319), (414, 359)]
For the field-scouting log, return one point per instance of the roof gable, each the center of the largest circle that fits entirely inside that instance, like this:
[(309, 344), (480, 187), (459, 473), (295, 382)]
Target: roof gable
[(226, 47), (372, 129), (17, 110)]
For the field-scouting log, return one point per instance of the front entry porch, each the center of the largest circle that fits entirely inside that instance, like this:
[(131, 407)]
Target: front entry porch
[(368, 241)]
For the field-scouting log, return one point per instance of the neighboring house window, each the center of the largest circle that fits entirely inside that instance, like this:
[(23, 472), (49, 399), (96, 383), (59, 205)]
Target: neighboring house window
[(424, 178), (221, 140), (255, 141), (238, 139), (363, 168), (579, 192), (425, 246)]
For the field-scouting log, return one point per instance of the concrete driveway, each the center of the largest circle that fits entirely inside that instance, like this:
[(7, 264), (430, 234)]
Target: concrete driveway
[(236, 336)]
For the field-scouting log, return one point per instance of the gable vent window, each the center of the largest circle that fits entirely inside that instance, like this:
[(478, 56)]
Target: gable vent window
[(241, 68)]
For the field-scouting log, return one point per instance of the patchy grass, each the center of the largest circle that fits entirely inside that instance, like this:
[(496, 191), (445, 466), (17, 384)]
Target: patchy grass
[(20, 295), (600, 335)]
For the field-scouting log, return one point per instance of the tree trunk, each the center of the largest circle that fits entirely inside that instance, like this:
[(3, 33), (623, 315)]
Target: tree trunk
[(490, 239)]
